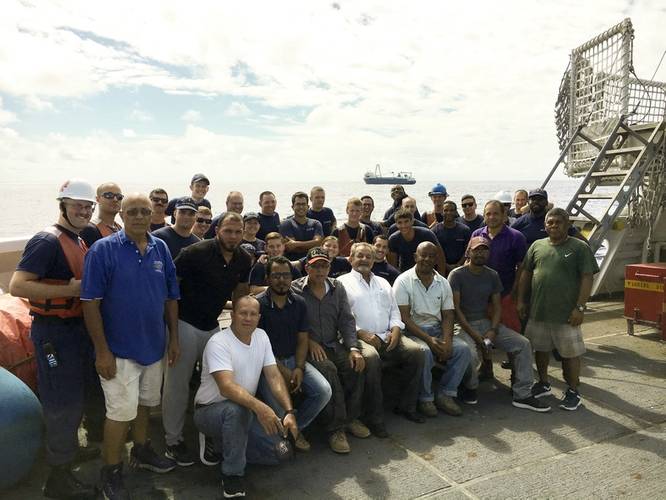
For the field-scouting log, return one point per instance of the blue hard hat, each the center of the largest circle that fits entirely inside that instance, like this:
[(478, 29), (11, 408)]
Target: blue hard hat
[(438, 189)]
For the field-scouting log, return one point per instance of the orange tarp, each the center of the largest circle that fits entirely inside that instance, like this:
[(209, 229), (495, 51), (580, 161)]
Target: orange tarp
[(16, 348)]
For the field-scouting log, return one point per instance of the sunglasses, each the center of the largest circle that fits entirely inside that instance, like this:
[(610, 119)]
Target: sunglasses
[(201, 220), (109, 196), (159, 201), (135, 212), (467, 205)]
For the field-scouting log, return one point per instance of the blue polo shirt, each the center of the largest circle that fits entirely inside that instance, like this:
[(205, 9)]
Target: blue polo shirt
[(283, 325), (300, 232), (133, 289)]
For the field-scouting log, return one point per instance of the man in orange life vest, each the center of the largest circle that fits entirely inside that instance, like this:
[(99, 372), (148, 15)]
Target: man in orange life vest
[(352, 231), (108, 200), (49, 276), (438, 195)]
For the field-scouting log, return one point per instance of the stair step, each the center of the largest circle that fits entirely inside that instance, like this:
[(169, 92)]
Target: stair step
[(593, 196), (622, 151), (610, 173)]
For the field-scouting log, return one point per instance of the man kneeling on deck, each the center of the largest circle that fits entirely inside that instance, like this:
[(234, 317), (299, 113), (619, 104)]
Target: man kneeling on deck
[(474, 286), (225, 404)]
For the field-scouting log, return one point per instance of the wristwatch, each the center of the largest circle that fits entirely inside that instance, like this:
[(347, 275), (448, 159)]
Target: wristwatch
[(580, 308)]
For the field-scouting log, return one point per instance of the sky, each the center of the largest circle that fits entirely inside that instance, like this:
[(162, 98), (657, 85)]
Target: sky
[(311, 89)]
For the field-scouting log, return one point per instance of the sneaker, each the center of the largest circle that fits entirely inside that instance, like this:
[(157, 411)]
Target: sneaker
[(427, 408), (338, 442), (358, 429), (468, 396), (531, 403), (180, 454), (571, 400), (233, 486), (541, 389), (113, 487), (144, 457), (301, 444), (61, 483), (207, 453), (448, 405)]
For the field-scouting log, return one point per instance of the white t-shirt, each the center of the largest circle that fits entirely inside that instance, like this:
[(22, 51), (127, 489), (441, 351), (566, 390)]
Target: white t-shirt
[(426, 306), (225, 352)]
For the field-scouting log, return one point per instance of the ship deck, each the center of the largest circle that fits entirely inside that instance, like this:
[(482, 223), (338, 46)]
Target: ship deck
[(612, 446)]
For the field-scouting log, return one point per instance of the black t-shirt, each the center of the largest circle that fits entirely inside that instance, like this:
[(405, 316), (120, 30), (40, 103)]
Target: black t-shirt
[(174, 241), (386, 271), (325, 216), (258, 274), (207, 281), (375, 227), (283, 325), (155, 227), (390, 220), (268, 224), (171, 207), (453, 240), (405, 249), (416, 223), (473, 224)]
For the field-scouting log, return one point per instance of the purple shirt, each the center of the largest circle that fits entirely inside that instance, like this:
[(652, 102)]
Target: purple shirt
[(507, 250)]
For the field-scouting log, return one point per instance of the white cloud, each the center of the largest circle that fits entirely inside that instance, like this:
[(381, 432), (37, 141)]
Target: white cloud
[(237, 109), (191, 115), (6, 117), (34, 103), (129, 133), (138, 115)]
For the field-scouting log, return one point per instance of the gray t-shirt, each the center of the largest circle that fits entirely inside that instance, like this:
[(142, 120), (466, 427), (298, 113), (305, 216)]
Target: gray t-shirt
[(475, 290)]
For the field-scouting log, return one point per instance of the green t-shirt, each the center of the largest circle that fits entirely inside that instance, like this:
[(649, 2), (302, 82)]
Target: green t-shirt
[(557, 271)]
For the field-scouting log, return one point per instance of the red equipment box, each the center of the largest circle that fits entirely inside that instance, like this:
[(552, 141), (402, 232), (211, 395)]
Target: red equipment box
[(645, 296)]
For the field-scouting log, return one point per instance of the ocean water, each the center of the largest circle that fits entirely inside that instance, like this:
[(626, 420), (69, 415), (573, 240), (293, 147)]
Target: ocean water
[(28, 207)]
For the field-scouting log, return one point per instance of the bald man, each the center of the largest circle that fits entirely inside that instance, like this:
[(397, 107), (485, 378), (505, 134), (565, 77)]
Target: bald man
[(109, 197), (129, 295)]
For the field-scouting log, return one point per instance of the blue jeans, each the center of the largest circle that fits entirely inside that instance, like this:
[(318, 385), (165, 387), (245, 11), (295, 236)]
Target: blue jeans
[(456, 365), (315, 388), (239, 436), (65, 388)]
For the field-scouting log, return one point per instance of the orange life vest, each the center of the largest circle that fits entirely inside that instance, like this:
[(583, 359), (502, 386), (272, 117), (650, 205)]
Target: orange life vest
[(430, 218), (345, 242), (63, 307), (105, 230)]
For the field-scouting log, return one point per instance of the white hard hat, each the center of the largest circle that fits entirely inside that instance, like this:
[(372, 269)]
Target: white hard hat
[(503, 197), (76, 189)]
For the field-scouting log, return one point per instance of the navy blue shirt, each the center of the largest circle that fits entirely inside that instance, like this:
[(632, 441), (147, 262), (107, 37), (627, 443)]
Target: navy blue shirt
[(258, 244), (44, 256), (416, 223), (534, 227), (283, 325), (268, 224), (386, 271), (207, 281), (390, 220), (453, 240), (300, 232), (375, 227), (473, 224), (133, 289), (339, 266), (405, 249), (326, 217), (258, 274), (171, 207), (174, 241)]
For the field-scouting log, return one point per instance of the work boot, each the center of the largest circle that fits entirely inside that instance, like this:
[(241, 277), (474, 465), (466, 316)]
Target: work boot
[(301, 444), (338, 442), (448, 405), (61, 483), (427, 408), (358, 429)]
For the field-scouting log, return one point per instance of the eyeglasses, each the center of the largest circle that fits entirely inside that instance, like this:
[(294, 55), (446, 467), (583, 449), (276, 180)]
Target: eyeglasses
[(109, 196), (136, 212), (467, 205), (280, 276), (159, 201), (201, 220), (80, 207)]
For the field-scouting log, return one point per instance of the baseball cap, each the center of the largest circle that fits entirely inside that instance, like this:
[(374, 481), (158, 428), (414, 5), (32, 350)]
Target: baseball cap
[(249, 248), (438, 189), (478, 241), (250, 215), (200, 178), (186, 204), (315, 254), (538, 192)]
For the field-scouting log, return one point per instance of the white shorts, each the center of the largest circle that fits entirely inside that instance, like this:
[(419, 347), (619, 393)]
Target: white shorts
[(133, 385)]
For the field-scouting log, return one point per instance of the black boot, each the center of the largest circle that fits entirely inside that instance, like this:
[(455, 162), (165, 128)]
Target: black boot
[(62, 484)]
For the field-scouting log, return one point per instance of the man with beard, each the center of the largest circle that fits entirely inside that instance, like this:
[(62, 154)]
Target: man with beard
[(284, 318), (158, 201), (453, 236), (210, 272)]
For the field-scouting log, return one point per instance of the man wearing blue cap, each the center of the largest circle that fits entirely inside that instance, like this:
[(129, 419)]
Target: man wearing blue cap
[(199, 188), (438, 195)]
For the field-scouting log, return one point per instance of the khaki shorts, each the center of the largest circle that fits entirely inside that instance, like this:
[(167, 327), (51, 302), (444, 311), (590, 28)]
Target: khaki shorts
[(133, 385), (567, 339)]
